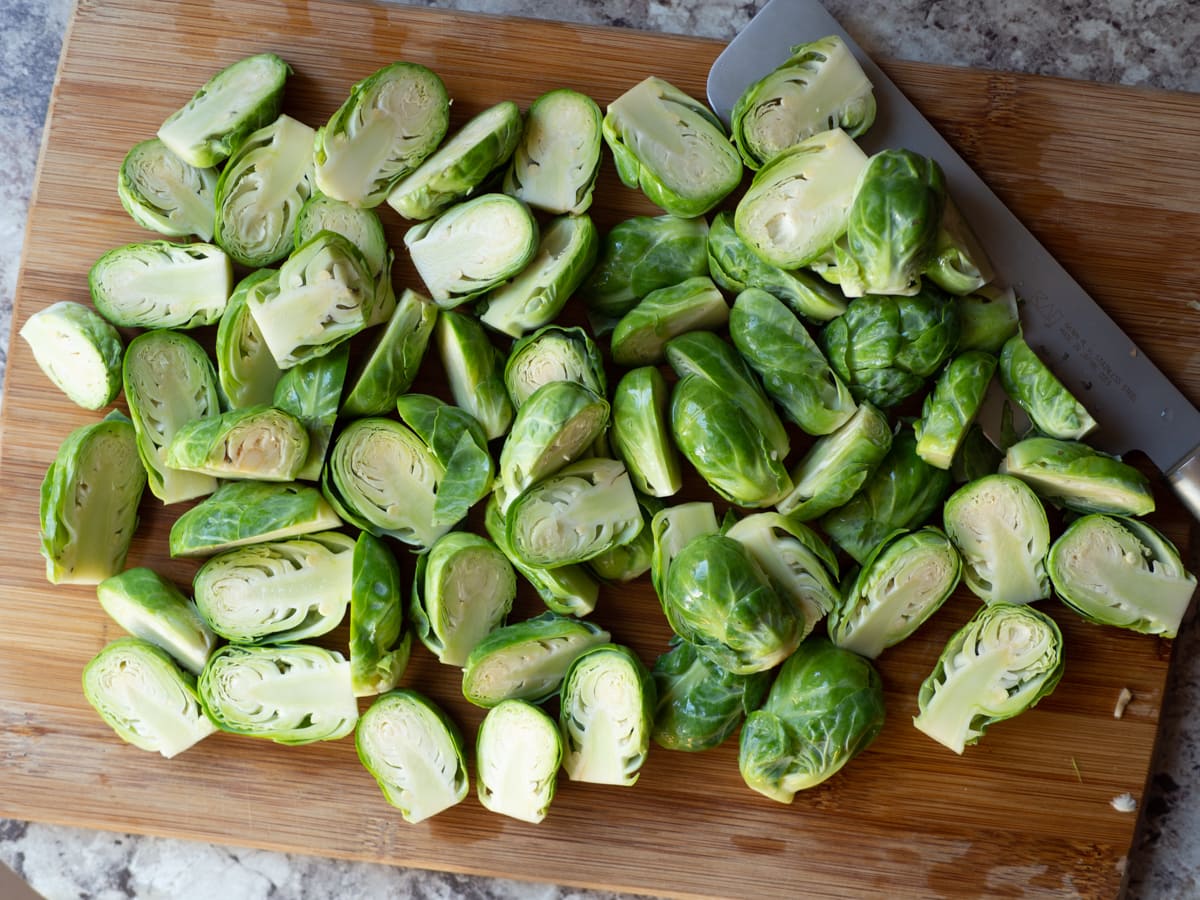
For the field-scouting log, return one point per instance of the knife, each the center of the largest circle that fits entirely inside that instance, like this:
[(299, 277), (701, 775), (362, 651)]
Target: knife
[(1136, 406)]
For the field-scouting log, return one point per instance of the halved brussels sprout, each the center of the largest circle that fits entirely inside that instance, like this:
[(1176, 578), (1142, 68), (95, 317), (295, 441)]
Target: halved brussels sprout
[(151, 608), (999, 526), (79, 351), (553, 353), (472, 247), (1114, 570), (145, 698), (311, 391), (527, 660), (379, 645), (988, 318), (1001, 663), (163, 193), (554, 167), (959, 264), (391, 121), (473, 368), (672, 147), (287, 693), (1031, 384), (673, 528), (518, 750), (464, 588), (415, 751), (261, 443), (246, 370), (951, 407), (157, 284), (248, 512), (641, 432), (606, 715), (394, 357), (641, 336), (277, 591), (1074, 475), (821, 85), (903, 582)]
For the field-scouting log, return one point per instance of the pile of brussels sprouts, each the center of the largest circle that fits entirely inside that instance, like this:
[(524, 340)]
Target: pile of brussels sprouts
[(857, 289)]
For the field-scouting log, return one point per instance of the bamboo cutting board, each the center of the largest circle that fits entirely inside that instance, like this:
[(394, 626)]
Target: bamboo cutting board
[(1106, 176)]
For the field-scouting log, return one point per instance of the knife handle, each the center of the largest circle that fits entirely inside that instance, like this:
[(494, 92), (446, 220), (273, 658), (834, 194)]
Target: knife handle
[(1185, 479)]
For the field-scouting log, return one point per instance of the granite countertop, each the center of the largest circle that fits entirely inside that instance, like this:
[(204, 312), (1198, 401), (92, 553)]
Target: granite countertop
[(1142, 42)]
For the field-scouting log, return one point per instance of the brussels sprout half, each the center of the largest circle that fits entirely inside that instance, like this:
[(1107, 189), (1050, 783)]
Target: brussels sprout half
[(379, 645), (311, 391), (158, 284), (473, 368), (261, 443), (951, 407), (553, 353), (394, 357), (1031, 384), (554, 167), (151, 608), (1074, 475), (641, 336), (78, 351), (163, 193), (641, 432), (246, 371), (518, 750)]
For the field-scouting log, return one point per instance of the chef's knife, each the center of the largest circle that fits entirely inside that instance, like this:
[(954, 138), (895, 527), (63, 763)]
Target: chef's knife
[(1136, 406)]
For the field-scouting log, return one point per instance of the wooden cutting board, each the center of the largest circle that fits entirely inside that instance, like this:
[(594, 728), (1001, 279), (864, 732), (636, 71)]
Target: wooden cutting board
[(1105, 175)]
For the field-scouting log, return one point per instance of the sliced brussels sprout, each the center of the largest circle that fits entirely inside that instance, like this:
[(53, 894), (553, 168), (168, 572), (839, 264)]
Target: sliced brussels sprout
[(641, 432), (903, 582), (163, 193), (144, 697), (1114, 570), (79, 351), (641, 336), (630, 560), (473, 368), (825, 707), (819, 86), (260, 443), (246, 370), (976, 457), (673, 528), (311, 391), (554, 167), (392, 120), (959, 264), (606, 715), (1031, 384), (169, 382), (472, 247), (459, 445), (261, 191), (415, 751), (517, 754), (277, 591), (553, 353), (249, 512), (1072, 474), (1001, 663), (461, 165), (287, 693), (394, 357), (988, 318), (151, 608), (999, 526), (379, 645), (672, 147), (157, 284), (537, 294), (951, 407), (464, 588), (798, 204), (527, 660)]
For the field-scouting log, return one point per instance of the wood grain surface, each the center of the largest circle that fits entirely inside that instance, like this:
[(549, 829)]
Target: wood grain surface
[(1106, 176)]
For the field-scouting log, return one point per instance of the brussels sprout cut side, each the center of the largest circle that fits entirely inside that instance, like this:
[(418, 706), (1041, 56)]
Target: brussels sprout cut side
[(151, 608), (158, 284), (555, 165), (163, 193), (378, 650), (261, 443), (78, 351), (517, 754), (553, 353)]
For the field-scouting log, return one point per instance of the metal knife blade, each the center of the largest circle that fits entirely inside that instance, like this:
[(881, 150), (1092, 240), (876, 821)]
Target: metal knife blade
[(1136, 406)]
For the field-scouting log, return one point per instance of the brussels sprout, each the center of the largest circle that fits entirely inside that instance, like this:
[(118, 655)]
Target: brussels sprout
[(287, 693), (1000, 528), (378, 650), (988, 318), (463, 589), (1074, 475), (673, 528), (837, 465), (672, 147), (261, 191), (311, 391), (247, 512), (143, 696), (555, 164), (394, 357), (517, 754), (606, 715), (78, 351), (1001, 663), (885, 347), (262, 443), (151, 608), (976, 457), (538, 293), (700, 704), (391, 121), (1114, 570), (641, 255), (163, 193), (246, 370), (641, 336), (461, 165), (903, 582), (415, 751), (1031, 384), (473, 369), (951, 407), (527, 660), (169, 382), (157, 284), (641, 432), (959, 264), (799, 203), (472, 247), (821, 85), (553, 353), (277, 591), (625, 562), (825, 707)]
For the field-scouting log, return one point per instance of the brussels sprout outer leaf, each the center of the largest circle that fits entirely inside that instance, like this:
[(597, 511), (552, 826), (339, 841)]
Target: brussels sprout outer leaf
[(378, 649), (151, 608), (473, 369), (959, 264), (457, 441), (518, 750)]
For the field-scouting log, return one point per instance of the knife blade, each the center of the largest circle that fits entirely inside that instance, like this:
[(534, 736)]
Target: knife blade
[(1135, 404)]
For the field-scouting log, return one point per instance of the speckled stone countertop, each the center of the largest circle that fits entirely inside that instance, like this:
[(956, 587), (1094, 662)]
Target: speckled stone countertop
[(1144, 42)]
